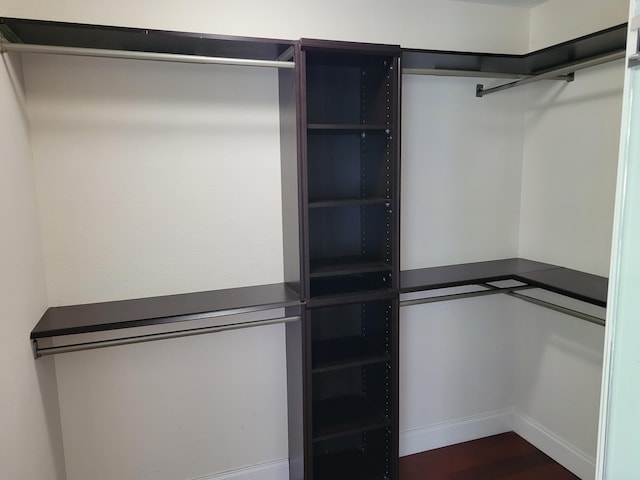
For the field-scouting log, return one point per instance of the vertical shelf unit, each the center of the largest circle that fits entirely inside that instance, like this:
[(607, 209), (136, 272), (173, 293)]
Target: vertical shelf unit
[(348, 254), (353, 390), (349, 121)]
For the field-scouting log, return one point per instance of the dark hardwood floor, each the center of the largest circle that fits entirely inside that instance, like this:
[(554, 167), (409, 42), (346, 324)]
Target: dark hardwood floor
[(504, 456)]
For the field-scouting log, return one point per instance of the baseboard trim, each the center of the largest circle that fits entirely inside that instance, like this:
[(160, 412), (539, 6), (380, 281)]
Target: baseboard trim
[(455, 431), (567, 455), (448, 433), (276, 470)]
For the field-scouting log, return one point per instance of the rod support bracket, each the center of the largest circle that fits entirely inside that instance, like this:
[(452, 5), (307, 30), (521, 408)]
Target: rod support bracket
[(34, 347), (571, 77), (479, 90)]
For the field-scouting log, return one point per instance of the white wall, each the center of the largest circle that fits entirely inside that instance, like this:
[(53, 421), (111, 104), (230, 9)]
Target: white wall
[(30, 439), (437, 24), (175, 409), (156, 179), (556, 21), (456, 372), (563, 141), (153, 178), (569, 169), (461, 172), (558, 370)]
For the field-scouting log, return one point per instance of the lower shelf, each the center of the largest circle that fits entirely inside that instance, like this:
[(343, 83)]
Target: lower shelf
[(346, 266), (346, 352), (355, 282), (345, 415), (351, 464)]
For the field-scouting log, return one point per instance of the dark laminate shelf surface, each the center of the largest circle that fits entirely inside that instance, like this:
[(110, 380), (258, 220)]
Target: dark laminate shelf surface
[(63, 34), (346, 352), (344, 416), (590, 46), (345, 266), (348, 202), (466, 273), (351, 296), (348, 465), (572, 283), (139, 312), (339, 127), (332, 47)]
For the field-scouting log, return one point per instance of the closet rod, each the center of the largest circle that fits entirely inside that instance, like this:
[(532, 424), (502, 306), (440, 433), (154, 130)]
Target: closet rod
[(134, 55), (469, 73), (512, 291), (558, 308), (567, 69), (77, 347), (490, 290)]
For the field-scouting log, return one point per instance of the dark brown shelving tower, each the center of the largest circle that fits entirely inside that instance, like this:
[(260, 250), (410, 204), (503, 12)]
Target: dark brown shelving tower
[(343, 398)]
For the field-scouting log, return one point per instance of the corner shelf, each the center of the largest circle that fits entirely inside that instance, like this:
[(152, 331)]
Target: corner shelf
[(571, 283), (590, 46)]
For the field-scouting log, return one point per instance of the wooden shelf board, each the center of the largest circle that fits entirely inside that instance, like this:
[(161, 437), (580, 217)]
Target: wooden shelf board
[(139, 312), (345, 352), (65, 34), (347, 128), (572, 283), (348, 202), (345, 266), (345, 415), (589, 46), (348, 465)]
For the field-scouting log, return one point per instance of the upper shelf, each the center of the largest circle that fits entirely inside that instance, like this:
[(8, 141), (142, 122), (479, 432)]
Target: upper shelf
[(590, 46), (63, 34), (76, 35), (96, 317), (572, 283)]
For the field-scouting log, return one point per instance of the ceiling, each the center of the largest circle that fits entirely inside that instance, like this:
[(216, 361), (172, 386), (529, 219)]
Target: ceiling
[(509, 3)]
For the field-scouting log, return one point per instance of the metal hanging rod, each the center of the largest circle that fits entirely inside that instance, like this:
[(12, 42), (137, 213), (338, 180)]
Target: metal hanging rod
[(77, 347), (470, 73), (511, 291), (567, 69), (134, 55), (456, 296), (558, 308)]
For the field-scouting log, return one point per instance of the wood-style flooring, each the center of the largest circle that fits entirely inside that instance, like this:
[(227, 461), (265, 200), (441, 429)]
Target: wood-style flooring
[(504, 456)]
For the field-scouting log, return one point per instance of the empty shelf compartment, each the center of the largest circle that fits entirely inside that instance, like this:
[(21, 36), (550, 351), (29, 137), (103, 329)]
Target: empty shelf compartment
[(349, 88), (345, 415), (349, 164), (363, 456)]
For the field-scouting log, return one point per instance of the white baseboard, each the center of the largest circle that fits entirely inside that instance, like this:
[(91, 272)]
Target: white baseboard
[(455, 431), (449, 433), (276, 470), (570, 457)]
